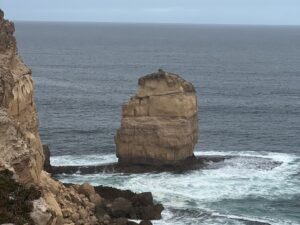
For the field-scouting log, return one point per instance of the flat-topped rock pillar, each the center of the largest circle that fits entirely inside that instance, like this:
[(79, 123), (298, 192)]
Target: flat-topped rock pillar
[(160, 123)]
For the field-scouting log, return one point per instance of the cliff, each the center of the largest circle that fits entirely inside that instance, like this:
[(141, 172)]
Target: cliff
[(20, 144), (159, 124), (28, 194)]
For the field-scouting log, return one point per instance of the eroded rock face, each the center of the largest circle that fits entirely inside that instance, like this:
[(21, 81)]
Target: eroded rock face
[(20, 144), (37, 197), (21, 149), (159, 124)]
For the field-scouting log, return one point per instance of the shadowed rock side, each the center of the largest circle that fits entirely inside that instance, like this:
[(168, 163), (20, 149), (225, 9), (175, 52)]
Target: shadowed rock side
[(159, 124), (28, 195)]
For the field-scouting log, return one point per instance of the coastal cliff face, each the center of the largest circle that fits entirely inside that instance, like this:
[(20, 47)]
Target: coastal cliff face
[(20, 143), (159, 124), (28, 194), (21, 153)]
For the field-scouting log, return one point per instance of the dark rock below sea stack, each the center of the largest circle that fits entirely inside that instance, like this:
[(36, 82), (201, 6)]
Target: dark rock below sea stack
[(159, 124), (127, 204)]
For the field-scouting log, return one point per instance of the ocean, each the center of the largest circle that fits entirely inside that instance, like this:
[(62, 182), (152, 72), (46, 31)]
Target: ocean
[(247, 80)]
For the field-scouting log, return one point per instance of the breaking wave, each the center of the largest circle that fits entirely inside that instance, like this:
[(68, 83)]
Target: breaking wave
[(243, 189)]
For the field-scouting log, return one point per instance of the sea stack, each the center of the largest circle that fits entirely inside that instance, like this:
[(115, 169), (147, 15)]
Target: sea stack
[(160, 123)]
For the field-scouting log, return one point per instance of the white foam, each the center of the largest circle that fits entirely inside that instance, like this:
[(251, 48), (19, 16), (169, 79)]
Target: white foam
[(234, 179), (269, 220), (85, 160), (276, 156)]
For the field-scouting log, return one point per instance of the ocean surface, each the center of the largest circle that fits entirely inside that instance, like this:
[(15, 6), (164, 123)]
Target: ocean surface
[(248, 86)]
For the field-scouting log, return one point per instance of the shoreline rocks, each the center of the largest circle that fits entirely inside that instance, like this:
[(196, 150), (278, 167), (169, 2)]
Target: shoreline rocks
[(119, 206), (160, 123), (125, 203)]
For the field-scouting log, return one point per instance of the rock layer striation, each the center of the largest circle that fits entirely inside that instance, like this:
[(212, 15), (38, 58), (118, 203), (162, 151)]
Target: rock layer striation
[(160, 123)]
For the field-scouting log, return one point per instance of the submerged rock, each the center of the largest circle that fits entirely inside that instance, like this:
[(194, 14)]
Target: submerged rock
[(160, 123)]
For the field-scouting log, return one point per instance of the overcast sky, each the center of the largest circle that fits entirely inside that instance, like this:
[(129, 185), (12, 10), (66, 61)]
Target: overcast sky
[(273, 12)]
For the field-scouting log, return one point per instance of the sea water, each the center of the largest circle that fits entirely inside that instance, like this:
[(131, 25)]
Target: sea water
[(247, 80)]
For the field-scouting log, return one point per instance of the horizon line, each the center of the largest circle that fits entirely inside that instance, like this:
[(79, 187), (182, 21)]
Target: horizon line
[(152, 23)]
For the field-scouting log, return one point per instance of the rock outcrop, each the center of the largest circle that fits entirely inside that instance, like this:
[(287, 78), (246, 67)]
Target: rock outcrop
[(159, 124), (125, 203)]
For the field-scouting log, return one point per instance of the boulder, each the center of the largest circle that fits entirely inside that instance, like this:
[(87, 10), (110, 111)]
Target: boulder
[(121, 207), (160, 123), (143, 199), (86, 189), (125, 203), (96, 199), (149, 212), (41, 214)]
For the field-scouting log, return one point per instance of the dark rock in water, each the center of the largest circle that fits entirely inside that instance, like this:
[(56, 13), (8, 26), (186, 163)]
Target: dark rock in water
[(192, 163), (47, 154), (144, 199), (145, 222), (125, 203), (121, 207), (150, 212)]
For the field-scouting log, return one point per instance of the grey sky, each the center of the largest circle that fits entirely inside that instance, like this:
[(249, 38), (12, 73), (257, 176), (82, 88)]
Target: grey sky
[(280, 12)]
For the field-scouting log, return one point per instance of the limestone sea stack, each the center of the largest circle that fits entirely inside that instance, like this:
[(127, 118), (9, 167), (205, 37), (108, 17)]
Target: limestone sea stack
[(160, 123)]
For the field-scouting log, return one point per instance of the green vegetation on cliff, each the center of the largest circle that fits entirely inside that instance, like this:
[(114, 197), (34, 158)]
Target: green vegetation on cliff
[(15, 200)]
